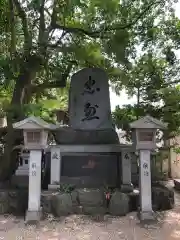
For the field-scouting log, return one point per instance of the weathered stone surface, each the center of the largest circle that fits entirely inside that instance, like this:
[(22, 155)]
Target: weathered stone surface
[(20, 181), (119, 204), (46, 201), (162, 198), (18, 201), (94, 210), (89, 101), (91, 197), (4, 203), (134, 200), (62, 204), (67, 135), (177, 184), (74, 197)]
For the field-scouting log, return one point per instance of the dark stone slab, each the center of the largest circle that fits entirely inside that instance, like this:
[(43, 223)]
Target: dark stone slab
[(177, 184), (46, 201), (18, 201), (86, 181), (92, 210), (119, 204), (77, 170), (162, 198), (4, 203), (91, 197), (62, 204), (134, 200), (67, 135), (21, 181)]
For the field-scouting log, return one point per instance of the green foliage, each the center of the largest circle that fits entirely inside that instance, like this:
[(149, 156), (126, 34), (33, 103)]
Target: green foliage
[(66, 188), (47, 42), (154, 74), (44, 42)]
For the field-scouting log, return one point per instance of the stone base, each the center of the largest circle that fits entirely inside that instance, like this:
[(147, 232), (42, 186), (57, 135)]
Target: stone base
[(127, 188), (67, 135), (24, 172), (146, 216), (53, 186), (33, 216), (20, 180)]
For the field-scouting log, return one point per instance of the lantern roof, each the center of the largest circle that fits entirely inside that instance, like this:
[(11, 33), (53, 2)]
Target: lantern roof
[(148, 122), (33, 122)]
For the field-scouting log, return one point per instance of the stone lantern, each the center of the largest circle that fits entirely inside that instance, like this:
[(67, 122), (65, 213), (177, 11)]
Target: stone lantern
[(144, 141), (35, 132)]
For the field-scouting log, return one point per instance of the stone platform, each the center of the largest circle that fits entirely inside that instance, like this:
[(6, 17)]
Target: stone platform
[(84, 201), (95, 201)]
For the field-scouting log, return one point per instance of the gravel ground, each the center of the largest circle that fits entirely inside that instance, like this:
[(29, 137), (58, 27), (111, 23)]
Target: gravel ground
[(78, 227)]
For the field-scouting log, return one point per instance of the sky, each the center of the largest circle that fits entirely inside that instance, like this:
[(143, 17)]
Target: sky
[(123, 98)]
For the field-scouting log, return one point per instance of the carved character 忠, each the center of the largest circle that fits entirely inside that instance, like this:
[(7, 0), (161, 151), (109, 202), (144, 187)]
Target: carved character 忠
[(89, 86)]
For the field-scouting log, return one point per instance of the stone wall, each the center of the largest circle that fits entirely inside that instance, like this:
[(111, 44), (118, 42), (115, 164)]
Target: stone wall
[(84, 201)]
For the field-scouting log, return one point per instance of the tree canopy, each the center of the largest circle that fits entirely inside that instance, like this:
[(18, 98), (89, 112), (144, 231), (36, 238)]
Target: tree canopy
[(154, 77), (44, 41)]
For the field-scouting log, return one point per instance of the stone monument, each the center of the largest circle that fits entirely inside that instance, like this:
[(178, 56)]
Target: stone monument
[(90, 136), (89, 105), (90, 119)]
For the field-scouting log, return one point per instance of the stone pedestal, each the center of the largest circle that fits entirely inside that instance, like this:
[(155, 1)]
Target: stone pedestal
[(34, 210), (146, 212), (126, 185), (55, 168)]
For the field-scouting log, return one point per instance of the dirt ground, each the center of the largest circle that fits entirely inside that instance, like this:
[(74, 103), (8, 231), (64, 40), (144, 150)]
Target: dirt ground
[(77, 227)]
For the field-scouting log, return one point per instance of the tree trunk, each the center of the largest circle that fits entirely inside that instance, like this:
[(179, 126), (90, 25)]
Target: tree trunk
[(14, 114)]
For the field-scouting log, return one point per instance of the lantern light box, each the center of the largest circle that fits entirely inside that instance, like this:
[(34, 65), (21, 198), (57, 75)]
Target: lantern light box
[(35, 132), (144, 132)]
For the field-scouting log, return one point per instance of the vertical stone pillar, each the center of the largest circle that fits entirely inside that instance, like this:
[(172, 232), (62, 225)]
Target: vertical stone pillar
[(134, 170), (55, 173), (126, 172), (34, 207), (146, 212)]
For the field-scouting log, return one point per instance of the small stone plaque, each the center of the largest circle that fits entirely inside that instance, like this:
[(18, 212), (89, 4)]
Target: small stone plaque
[(145, 136)]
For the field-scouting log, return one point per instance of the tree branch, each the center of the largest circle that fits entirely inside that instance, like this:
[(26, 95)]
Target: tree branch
[(97, 33), (171, 82), (55, 84), (53, 17), (41, 23), (59, 41), (27, 35), (12, 27)]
